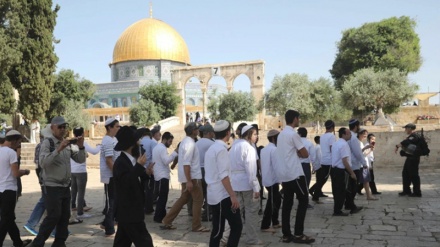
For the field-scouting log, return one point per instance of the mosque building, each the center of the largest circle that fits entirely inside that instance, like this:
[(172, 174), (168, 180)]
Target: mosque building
[(147, 52)]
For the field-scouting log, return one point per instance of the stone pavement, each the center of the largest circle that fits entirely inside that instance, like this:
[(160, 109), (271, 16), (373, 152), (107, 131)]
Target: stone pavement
[(390, 221)]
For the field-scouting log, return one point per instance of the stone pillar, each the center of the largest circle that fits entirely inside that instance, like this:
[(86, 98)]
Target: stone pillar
[(128, 101), (119, 102), (204, 100)]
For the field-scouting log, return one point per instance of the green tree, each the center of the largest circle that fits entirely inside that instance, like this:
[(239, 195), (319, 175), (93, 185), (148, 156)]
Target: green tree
[(291, 91), (32, 74), (75, 116), (69, 86), (327, 102), (383, 91), (390, 43), (237, 106), (213, 105), (144, 113), (164, 95)]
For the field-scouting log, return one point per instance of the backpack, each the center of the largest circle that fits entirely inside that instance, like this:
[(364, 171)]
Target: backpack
[(39, 169), (423, 146)]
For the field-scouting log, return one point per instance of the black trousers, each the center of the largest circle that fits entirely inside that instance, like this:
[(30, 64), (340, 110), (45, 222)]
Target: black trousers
[(221, 212), (372, 182), (163, 187), (339, 185), (298, 187), (206, 207), (135, 233), (322, 175), (8, 200), (149, 194), (351, 191), (272, 209), (410, 175), (57, 202), (109, 219), (307, 173)]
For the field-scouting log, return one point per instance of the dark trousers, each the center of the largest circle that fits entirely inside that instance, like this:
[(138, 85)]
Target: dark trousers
[(109, 219), (135, 233), (57, 202), (339, 185), (8, 200), (372, 182), (272, 207), (163, 187), (220, 213), (298, 187), (351, 191), (322, 175), (410, 174), (307, 173), (207, 208), (149, 195)]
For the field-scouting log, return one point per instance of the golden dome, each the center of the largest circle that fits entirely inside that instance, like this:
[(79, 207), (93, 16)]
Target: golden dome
[(150, 39)]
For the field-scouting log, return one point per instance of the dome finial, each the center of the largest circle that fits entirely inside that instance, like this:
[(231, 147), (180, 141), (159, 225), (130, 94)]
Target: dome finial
[(151, 9)]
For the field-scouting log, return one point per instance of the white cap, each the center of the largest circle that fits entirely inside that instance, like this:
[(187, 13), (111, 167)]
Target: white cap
[(246, 128), (221, 125), (13, 133), (46, 132), (109, 121)]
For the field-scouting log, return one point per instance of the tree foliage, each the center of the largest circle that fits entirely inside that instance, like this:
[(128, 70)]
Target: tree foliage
[(383, 90), (164, 95), (32, 23), (390, 43), (213, 105), (69, 86), (237, 106), (75, 116), (144, 113)]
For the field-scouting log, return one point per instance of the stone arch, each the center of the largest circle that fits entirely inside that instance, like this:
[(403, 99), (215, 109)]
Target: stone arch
[(254, 70)]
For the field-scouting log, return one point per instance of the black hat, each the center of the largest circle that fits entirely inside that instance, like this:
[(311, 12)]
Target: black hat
[(329, 124), (126, 138), (410, 126)]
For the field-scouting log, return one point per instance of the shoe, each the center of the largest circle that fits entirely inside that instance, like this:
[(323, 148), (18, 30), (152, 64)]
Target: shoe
[(340, 214), (376, 193), (310, 206), (404, 193), (30, 230), (415, 195), (303, 239), (26, 242), (287, 239), (271, 230), (277, 226), (315, 200), (87, 209), (84, 216), (356, 210)]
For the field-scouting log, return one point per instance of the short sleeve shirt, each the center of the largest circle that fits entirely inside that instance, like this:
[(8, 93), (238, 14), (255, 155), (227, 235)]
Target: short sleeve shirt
[(107, 150), (7, 180), (218, 166), (340, 150), (289, 166), (326, 142), (189, 156)]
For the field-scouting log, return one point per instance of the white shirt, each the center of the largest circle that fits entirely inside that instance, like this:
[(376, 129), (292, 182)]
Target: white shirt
[(268, 163), (162, 162), (357, 156), (131, 158), (310, 148), (367, 161), (317, 163), (288, 144), (148, 144), (327, 140), (7, 180), (340, 150), (81, 167), (189, 156), (203, 145), (243, 167), (218, 167), (107, 150)]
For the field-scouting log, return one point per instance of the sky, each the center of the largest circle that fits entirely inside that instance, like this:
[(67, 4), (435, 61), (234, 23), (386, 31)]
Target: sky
[(291, 36)]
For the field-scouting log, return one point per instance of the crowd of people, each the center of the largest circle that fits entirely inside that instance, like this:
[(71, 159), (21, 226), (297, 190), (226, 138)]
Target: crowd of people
[(220, 183)]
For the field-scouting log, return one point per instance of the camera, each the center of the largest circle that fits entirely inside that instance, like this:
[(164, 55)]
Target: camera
[(373, 143), (73, 141), (78, 131)]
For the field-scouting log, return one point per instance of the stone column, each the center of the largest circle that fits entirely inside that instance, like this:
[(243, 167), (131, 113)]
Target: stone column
[(204, 100), (119, 102)]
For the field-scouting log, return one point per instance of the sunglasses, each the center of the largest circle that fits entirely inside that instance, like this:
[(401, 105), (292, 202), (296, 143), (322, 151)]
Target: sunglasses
[(64, 126)]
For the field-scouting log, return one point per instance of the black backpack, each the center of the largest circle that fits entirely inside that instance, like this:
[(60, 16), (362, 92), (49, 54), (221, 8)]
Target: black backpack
[(423, 145)]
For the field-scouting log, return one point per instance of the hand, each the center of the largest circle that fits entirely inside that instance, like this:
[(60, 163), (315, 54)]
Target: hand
[(256, 195), (63, 145), (189, 186), (80, 141), (142, 159), (234, 202), (353, 176), (150, 168)]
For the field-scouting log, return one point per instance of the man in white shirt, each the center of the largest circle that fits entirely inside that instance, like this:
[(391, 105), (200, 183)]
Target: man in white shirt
[(9, 172), (270, 181), (162, 174), (341, 170), (326, 140), (357, 161), (221, 197), (190, 176), (290, 172), (107, 159), (148, 144), (203, 145)]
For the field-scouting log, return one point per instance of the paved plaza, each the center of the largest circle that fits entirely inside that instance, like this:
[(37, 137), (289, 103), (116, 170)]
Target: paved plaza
[(390, 221)]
